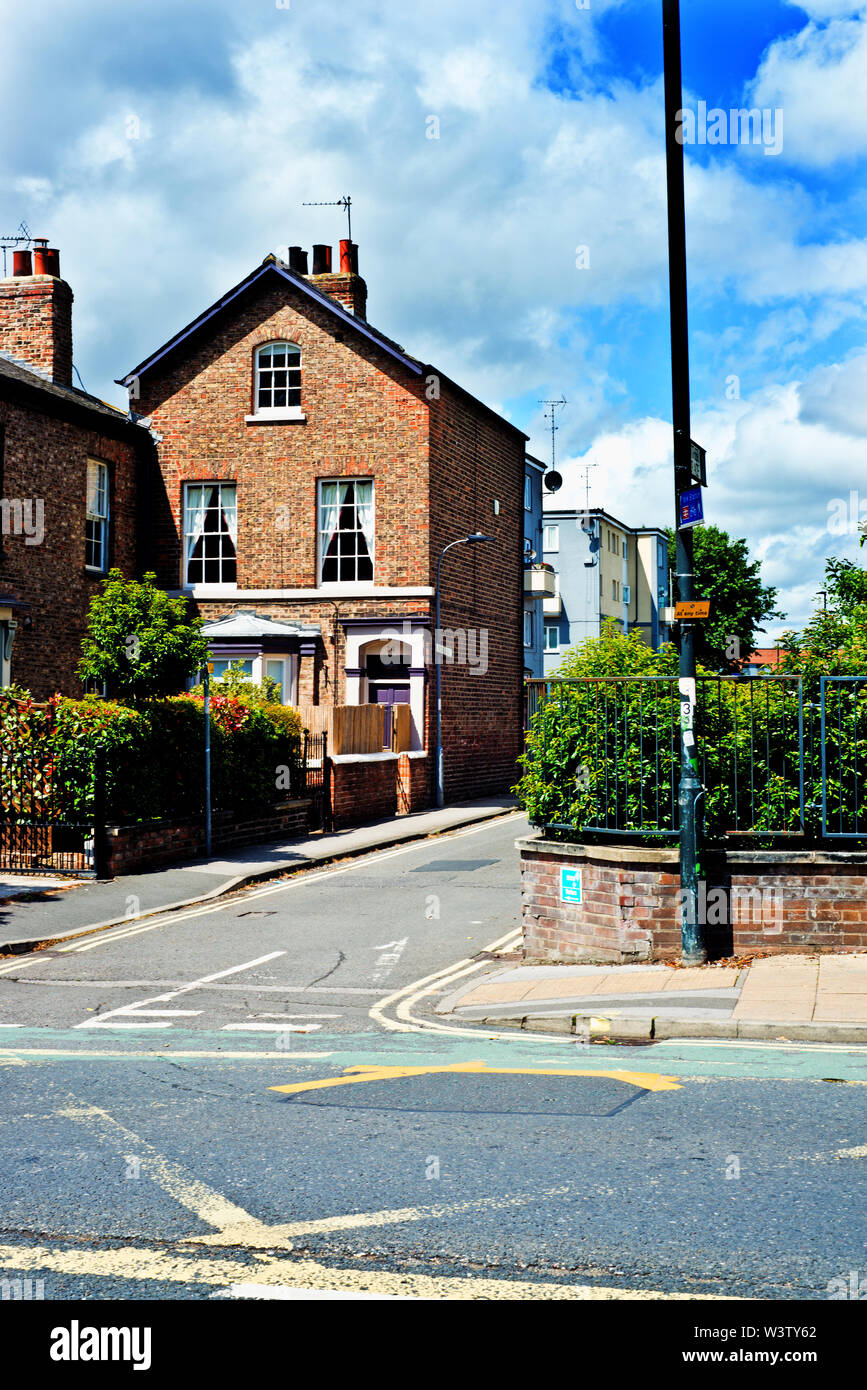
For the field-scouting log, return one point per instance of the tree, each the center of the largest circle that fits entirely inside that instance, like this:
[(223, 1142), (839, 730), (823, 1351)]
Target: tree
[(740, 603), (140, 643), (834, 641)]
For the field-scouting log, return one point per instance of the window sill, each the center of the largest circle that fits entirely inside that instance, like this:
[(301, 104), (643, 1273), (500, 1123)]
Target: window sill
[(95, 570), (277, 417)]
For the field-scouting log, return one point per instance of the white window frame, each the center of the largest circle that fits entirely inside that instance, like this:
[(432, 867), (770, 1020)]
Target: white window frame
[(551, 538), (97, 514), (555, 645), (259, 669), (528, 493), (276, 412), (188, 534), (528, 627), (323, 538)]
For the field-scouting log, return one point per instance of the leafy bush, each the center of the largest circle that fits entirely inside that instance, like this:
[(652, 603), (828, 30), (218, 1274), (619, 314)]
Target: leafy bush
[(605, 752), (153, 756)]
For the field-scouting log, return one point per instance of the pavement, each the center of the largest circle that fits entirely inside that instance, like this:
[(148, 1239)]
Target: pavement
[(784, 997), (44, 909)]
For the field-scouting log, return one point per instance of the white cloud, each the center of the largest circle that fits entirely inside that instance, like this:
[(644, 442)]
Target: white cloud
[(788, 452), (817, 77), (836, 396)]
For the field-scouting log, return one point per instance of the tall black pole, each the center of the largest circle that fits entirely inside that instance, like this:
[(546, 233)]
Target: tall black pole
[(692, 933)]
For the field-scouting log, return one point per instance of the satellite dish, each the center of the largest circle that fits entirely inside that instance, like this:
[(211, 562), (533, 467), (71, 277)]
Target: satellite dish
[(553, 481)]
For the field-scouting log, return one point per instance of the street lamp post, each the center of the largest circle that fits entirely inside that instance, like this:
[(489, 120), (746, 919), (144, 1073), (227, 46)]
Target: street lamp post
[(472, 539), (206, 703), (693, 947)]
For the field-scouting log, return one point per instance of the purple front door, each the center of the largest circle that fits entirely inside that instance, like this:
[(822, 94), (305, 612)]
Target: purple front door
[(388, 695)]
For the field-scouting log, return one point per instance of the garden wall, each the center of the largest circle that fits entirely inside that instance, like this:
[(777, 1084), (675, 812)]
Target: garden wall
[(373, 786), (131, 848), (629, 908)]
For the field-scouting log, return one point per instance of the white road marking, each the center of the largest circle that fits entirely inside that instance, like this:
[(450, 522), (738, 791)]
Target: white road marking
[(302, 878), (407, 1022), (209, 1206), (293, 1017), (136, 1263), (391, 954), (169, 1013), (15, 966), (281, 1291), (271, 1027), (14, 1054), (128, 1009)]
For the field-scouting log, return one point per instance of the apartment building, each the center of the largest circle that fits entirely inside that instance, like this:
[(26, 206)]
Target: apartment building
[(604, 569)]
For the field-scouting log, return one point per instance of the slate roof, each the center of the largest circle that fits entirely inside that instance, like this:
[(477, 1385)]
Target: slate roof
[(246, 625), (60, 399), (272, 266)]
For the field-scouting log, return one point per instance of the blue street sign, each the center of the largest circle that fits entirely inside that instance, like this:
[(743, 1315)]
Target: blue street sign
[(691, 510), (570, 885)]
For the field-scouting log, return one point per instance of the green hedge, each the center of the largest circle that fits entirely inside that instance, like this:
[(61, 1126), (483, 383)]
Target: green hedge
[(153, 755)]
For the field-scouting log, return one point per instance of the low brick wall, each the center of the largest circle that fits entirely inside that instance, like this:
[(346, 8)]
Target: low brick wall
[(630, 902), (363, 788), (130, 848), (413, 784)]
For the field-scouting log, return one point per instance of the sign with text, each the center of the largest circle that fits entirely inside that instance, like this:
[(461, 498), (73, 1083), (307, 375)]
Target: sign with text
[(694, 608), (697, 469), (570, 885), (690, 508)]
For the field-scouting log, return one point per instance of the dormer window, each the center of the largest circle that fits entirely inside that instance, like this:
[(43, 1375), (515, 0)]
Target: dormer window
[(277, 383)]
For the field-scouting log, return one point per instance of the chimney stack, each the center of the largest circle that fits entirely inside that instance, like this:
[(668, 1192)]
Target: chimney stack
[(36, 313), (345, 285), (321, 260), (298, 260)]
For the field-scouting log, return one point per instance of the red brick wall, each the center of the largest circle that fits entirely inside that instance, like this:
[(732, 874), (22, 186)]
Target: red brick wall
[(46, 457), (363, 791), (131, 848), (476, 459), (630, 909), (366, 417), (36, 324), (413, 784)]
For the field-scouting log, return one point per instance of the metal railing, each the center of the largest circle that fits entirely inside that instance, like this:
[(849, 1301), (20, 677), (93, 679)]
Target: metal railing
[(843, 715), (609, 749)]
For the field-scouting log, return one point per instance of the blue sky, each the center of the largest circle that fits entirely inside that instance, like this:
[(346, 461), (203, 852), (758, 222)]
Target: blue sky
[(167, 147)]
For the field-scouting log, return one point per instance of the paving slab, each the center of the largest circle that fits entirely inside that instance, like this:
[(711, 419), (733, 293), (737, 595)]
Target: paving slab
[(803, 997)]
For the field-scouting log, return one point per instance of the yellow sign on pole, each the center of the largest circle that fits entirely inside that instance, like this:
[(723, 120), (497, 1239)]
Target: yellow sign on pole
[(695, 608)]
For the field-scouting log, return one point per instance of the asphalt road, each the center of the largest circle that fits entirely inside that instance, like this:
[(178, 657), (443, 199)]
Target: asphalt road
[(145, 1152)]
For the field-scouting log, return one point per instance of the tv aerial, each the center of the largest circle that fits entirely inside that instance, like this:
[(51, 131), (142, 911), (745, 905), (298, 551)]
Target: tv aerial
[(345, 202), (553, 480)]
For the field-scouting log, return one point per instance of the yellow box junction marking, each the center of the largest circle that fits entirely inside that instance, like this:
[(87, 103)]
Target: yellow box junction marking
[(647, 1080)]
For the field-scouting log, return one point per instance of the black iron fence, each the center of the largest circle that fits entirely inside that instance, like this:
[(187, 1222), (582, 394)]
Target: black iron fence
[(843, 751), (52, 810), (603, 756), (316, 783)]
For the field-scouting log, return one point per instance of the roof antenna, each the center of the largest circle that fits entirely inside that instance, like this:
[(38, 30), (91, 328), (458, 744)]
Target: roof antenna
[(9, 242), (553, 481), (587, 467), (345, 202)]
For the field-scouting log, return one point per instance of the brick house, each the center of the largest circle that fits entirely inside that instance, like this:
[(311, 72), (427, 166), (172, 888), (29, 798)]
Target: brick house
[(310, 474), (70, 470)]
